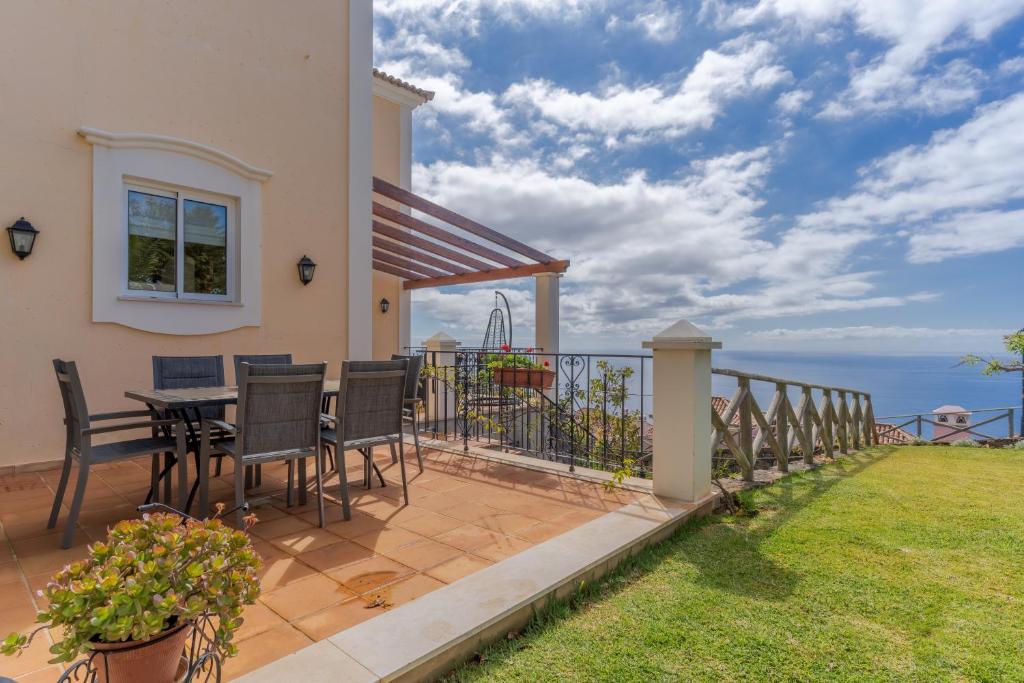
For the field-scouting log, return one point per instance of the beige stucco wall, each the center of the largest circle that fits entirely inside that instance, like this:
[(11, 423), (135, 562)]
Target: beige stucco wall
[(261, 79), (387, 164)]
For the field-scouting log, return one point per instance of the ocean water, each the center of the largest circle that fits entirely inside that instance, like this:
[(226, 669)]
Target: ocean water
[(898, 385)]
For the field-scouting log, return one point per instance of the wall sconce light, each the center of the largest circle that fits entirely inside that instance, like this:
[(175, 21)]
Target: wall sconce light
[(23, 237), (306, 268), (384, 305)]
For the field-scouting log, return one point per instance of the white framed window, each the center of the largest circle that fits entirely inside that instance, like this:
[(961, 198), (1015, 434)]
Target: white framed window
[(181, 244), (176, 234)]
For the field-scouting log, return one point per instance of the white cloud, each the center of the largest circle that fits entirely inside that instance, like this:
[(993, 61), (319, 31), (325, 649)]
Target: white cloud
[(954, 188), (466, 16), (645, 253), (659, 21), (793, 101), (914, 30), (967, 234), (873, 332), (1012, 66), (737, 69)]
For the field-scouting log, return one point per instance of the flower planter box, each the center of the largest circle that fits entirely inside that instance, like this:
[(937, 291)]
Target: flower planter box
[(524, 378)]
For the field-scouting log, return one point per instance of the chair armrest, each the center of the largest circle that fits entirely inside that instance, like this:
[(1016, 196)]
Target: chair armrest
[(209, 422), (333, 419), (412, 401), (133, 425), (121, 414)]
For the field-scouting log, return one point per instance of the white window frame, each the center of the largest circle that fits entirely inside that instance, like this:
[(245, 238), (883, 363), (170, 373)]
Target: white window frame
[(181, 195), (180, 165)]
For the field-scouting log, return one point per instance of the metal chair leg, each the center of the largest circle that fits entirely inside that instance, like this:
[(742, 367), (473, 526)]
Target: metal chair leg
[(319, 471), (239, 493), (416, 439), (58, 498), (405, 481), (346, 505), (291, 483), (76, 503)]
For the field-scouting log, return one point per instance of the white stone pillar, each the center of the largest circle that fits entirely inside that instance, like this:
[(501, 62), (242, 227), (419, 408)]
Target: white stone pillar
[(404, 320), (681, 374), (546, 293), (440, 395)]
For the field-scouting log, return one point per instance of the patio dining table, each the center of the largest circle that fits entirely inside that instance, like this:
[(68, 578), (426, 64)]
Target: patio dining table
[(186, 404)]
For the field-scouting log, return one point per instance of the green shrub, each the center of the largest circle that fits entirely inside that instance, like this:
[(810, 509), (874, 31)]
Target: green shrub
[(1018, 446), (965, 443), (149, 575)]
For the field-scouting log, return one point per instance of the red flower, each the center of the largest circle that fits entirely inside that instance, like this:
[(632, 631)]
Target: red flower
[(547, 364), (529, 349), (506, 348)]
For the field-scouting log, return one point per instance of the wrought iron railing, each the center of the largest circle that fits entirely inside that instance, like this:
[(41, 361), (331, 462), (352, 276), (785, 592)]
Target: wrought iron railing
[(824, 419), (590, 410)]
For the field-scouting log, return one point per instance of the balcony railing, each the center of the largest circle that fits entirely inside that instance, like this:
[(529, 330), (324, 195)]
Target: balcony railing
[(591, 410)]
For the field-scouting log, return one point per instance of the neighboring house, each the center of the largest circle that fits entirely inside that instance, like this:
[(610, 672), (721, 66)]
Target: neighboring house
[(178, 159)]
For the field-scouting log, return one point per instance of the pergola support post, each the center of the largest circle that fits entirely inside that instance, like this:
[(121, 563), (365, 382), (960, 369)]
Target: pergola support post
[(546, 294)]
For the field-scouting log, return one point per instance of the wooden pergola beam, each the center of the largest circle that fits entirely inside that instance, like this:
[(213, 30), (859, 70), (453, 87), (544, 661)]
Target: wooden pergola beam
[(397, 272), (406, 264), (428, 207), (414, 255), (404, 237), (486, 275), (416, 224)]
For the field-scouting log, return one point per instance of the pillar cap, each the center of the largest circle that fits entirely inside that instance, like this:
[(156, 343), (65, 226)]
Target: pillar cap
[(683, 335), (441, 339)]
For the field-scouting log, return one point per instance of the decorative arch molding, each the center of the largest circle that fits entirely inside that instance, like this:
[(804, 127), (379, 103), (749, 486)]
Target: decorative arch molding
[(232, 163), (119, 159)]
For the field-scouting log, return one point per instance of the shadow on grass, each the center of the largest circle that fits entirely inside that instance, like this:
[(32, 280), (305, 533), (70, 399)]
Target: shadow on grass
[(726, 551), (730, 557)]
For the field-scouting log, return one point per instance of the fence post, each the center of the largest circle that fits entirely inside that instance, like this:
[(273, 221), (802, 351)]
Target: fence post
[(441, 389), (682, 409), (808, 425), (746, 413)]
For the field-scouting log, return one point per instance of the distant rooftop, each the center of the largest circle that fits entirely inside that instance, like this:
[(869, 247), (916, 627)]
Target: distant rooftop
[(427, 95)]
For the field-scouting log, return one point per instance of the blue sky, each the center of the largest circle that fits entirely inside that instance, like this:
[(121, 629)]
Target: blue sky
[(789, 175)]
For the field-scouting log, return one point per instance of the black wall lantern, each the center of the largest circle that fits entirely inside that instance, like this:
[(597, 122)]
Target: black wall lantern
[(306, 268), (384, 305), (23, 237)]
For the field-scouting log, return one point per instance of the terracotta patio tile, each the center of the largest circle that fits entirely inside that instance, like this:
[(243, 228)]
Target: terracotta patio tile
[(9, 573), (507, 546), (428, 523), (505, 522), (257, 618), (388, 538), (444, 484), (436, 502), (287, 525), (304, 541), (47, 675), (357, 526), (265, 648), (406, 590), (575, 518), (458, 567), (327, 622), (469, 536), (370, 573), (305, 596), (335, 556), (32, 659), (423, 555), (542, 531), (279, 568), (471, 512)]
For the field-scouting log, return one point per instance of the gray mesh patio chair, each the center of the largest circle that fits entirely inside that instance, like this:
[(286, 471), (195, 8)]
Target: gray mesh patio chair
[(278, 418), (369, 414), (412, 403), (188, 372), (261, 359), (80, 432), (254, 476)]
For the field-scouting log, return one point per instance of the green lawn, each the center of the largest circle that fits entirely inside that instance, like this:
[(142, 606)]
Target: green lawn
[(899, 564)]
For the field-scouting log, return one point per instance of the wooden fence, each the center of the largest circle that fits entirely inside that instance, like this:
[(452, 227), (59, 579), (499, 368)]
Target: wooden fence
[(824, 418)]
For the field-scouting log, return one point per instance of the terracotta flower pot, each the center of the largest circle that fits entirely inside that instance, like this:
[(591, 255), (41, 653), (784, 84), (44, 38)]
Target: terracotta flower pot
[(156, 660), (525, 378)]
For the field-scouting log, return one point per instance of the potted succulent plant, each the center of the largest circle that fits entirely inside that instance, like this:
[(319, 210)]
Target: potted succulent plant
[(520, 371), (135, 598)]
